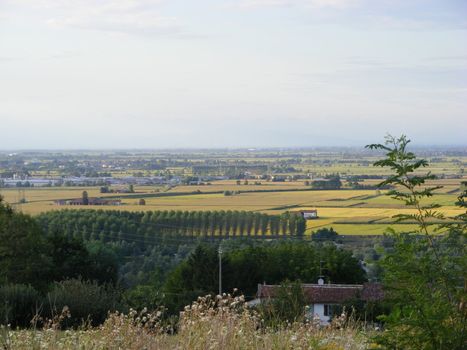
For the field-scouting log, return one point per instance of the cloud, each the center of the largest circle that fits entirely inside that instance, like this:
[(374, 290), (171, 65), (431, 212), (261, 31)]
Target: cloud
[(365, 61), (416, 23), (337, 4), (119, 16), (394, 15), (10, 58), (63, 54), (450, 61)]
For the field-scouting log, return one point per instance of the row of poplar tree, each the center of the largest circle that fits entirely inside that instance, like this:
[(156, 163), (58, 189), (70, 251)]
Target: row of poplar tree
[(109, 225)]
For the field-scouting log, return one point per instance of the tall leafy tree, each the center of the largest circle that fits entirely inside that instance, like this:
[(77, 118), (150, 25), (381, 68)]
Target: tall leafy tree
[(257, 223), (284, 221), (245, 268), (300, 225), (292, 223), (264, 224), (85, 198), (242, 222), (425, 275), (196, 276), (234, 220), (228, 222), (23, 250), (249, 222)]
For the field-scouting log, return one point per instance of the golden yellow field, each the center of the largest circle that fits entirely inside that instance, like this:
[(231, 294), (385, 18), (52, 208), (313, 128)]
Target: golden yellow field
[(347, 211), (231, 185)]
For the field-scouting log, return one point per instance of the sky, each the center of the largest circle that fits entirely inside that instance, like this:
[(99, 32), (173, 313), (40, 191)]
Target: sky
[(231, 73)]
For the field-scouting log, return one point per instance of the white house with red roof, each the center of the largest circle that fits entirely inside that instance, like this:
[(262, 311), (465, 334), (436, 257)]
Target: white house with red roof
[(325, 299)]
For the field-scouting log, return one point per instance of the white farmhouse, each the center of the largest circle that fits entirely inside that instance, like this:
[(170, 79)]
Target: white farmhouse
[(325, 300), (308, 214)]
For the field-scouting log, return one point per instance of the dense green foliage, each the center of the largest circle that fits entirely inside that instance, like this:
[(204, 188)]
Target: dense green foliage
[(72, 259), (244, 268), (86, 301), (148, 245), (147, 260), (424, 275), (325, 234), (27, 256), (23, 250), (19, 304), (146, 228), (332, 182), (426, 292), (31, 264)]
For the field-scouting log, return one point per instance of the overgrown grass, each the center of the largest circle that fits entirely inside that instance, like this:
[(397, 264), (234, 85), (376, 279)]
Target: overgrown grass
[(210, 323)]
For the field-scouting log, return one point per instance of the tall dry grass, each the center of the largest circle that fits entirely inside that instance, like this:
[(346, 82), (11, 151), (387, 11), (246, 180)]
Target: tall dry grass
[(222, 322)]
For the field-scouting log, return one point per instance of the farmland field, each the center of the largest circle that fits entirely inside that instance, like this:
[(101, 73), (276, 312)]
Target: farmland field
[(359, 212), (270, 181)]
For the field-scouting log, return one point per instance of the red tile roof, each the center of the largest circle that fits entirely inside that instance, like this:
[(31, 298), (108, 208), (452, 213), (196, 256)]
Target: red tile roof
[(372, 292), (330, 293)]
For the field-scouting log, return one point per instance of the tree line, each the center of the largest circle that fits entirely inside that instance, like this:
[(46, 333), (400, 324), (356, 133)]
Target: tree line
[(147, 227), (28, 256), (246, 267)]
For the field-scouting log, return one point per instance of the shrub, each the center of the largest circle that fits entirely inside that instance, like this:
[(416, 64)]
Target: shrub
[(87, 301), (325, 234), (288, 306), (143, 296), (424, 274), (19, 304)]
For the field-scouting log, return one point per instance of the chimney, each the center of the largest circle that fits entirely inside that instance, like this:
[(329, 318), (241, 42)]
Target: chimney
[(321, 277)]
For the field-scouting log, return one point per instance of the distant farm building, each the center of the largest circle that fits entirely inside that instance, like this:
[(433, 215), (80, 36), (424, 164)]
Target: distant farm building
[(91, 201), (308, 214), (278, 178)]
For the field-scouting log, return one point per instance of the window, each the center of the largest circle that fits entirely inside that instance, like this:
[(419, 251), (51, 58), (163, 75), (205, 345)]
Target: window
[(327, 310), (332, 309), (310, 310)]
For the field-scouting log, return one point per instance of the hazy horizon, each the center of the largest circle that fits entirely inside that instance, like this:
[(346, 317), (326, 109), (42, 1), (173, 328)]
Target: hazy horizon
[(461, 147), (172, 74)]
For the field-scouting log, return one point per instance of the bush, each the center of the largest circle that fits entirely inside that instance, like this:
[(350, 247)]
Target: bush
[(19, 304), (325, 234), (288, 305), (143, 296), (85, 300), (424, 274)]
